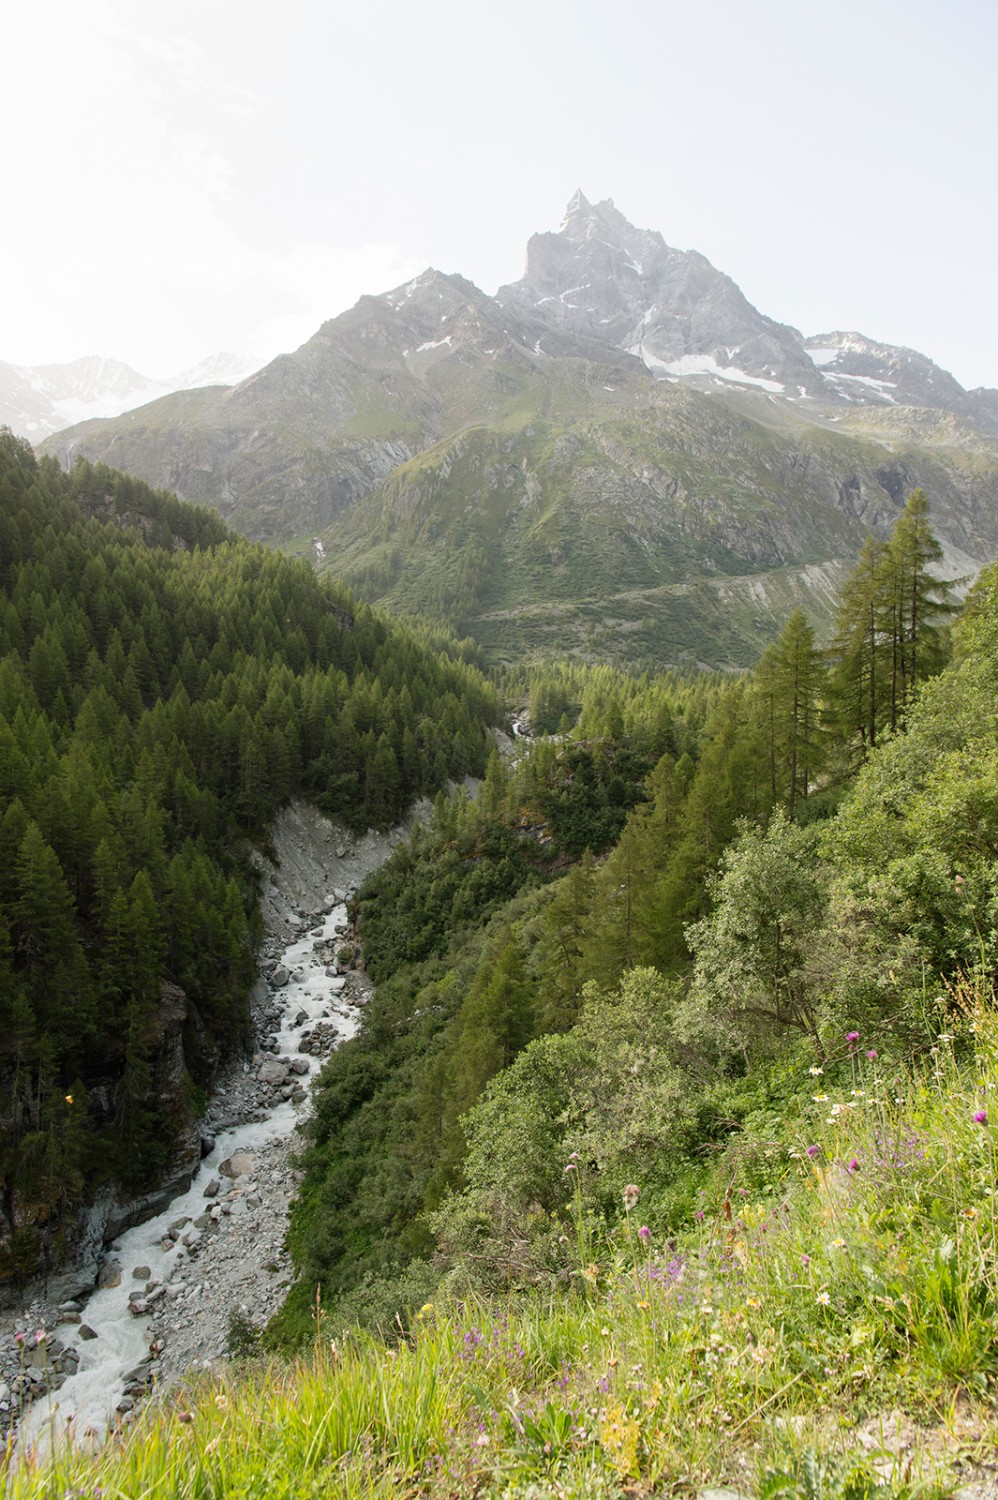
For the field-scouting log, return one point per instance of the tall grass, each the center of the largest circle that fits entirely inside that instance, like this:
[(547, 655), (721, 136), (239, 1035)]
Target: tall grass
[(747, 1346)]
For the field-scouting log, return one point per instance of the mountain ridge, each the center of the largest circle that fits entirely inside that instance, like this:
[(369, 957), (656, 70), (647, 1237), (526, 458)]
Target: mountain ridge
[(619, 422)]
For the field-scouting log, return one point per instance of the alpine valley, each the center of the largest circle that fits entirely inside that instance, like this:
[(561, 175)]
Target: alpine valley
[(533, 1064), (616, 456)]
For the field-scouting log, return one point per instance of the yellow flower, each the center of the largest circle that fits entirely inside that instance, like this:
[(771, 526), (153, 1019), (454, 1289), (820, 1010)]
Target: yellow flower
[(69, 1098)]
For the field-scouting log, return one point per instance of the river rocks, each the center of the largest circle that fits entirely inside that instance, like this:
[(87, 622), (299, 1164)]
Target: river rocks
[(279, 976), (320, 1039), (299, 1065), (211, 1191), (86, 1332), (110, 1274), (238, 1164), (273, 1071)]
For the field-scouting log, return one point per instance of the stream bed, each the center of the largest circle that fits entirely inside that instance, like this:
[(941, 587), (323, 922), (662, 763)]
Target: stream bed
[(171, 1283)]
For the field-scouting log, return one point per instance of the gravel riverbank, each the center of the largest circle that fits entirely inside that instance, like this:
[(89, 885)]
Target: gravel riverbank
[(167, 1290)]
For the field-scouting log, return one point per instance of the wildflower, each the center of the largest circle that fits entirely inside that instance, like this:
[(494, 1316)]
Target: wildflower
[(853, 1166), (570, 1167), (837, 1244), (19, 1337), (753, 1302), (631, 1195), (980, 1117), (644, 1233), (483, 1440), (69, 1098), (591, 1273), (823, 1299), (699, 1215), (970, 1213), (805, 1260), (39, 1335), (815, 1072), (425, 1310), (644, 1306), (573, 1156), (820, 1098), (813, 1151), (852, 1036), (872, 1054)]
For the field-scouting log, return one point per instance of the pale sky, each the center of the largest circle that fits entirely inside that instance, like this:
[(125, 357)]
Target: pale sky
[(182, 177)]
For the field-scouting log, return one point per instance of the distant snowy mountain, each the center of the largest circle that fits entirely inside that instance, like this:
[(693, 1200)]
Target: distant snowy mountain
[(37, 400)]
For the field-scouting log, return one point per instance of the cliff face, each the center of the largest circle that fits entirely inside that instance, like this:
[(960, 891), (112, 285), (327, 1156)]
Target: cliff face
[(42, 1225)]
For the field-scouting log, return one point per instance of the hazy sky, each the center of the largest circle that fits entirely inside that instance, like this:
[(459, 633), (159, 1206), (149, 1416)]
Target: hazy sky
[(181, 178)]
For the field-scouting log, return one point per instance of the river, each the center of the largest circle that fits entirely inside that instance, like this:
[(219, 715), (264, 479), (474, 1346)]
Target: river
[(88, 1402)]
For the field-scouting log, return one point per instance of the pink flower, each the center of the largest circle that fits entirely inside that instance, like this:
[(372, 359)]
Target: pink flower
[(644, 1232), (853, 1166), (852, 1036), (813, 1151), (570, 1167), (980, 1117), (699, 1215), (872, 1054)]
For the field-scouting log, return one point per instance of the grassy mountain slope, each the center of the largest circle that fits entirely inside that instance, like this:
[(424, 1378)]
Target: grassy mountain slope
[(645, 523)]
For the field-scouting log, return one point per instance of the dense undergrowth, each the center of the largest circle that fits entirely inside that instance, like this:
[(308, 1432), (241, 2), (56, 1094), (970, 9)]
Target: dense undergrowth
[(839, 1265)]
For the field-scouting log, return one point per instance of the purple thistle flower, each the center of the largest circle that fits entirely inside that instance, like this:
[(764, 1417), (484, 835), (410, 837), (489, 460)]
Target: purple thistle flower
[(980, 1117), (852, 1036), (813, 1151), (853, 1166), (872, 1054), (644, 1232)]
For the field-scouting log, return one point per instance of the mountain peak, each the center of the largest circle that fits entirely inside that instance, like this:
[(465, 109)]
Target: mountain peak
[(579, 207)]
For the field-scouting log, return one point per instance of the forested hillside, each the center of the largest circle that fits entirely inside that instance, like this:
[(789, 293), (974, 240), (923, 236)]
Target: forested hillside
[(164, 688), (619, 949)]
